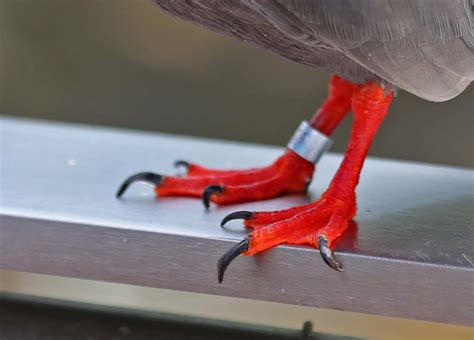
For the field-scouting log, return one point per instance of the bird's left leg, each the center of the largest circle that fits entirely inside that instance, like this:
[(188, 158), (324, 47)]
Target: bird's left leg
[(320, 223), (290, 173)]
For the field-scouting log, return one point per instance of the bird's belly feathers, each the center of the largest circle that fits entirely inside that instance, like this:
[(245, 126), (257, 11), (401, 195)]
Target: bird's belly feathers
[(424, 47)]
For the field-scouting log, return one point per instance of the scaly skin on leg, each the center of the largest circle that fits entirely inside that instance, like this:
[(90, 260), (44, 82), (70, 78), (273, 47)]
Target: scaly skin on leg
[(288, 174), (320, 223)]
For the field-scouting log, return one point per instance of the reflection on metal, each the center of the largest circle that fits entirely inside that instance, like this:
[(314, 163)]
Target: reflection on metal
[(409, 255)]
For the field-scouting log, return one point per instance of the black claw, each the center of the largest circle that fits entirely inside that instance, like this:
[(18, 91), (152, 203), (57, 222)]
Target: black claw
[(182, 163), (308, 183), (229, 256), (148, 177), (244, 215), (328, 255), (209, 191)]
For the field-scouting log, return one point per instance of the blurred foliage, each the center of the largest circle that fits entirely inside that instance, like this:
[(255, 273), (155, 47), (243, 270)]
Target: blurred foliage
[(127, 64)]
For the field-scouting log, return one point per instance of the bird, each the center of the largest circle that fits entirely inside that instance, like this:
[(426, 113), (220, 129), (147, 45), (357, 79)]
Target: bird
[(372, 48)]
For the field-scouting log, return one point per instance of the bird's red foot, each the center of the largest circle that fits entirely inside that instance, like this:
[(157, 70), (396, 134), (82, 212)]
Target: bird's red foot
[(288, 174), (317, 224), (320, 223)]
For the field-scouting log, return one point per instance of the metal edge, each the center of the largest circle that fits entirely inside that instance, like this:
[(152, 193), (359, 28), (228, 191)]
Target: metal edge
[(291, 275)]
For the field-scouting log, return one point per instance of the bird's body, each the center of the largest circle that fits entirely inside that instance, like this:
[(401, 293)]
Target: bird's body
[(425, 47)]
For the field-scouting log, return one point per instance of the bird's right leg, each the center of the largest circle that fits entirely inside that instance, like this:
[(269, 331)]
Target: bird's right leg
[(290, 173)]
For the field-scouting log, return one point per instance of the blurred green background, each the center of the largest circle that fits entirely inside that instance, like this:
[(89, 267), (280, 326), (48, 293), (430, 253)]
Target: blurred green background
[(127, 64)]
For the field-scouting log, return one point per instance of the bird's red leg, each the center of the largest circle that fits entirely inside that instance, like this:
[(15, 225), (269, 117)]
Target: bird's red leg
[(320, 223), (288, 174)]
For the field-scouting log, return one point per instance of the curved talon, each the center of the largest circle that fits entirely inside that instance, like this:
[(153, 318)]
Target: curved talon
[(182, 163), (328, 255), (307, 184), (229, 256), (148, 177), (244, 215), (209, 191)]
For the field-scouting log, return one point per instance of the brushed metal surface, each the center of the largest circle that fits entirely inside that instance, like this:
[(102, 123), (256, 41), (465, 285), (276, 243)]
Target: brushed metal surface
[(410, 254)]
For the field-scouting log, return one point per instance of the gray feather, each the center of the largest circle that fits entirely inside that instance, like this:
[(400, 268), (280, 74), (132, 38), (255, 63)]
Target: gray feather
[(425, 47)]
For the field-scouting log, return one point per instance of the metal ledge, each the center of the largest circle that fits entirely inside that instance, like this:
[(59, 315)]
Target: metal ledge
[(409, 255)]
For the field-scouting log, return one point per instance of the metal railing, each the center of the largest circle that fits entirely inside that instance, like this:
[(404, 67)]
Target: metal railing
[(408, 255)]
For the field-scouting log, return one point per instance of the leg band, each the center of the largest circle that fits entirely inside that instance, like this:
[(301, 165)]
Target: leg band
[(309, 143)]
